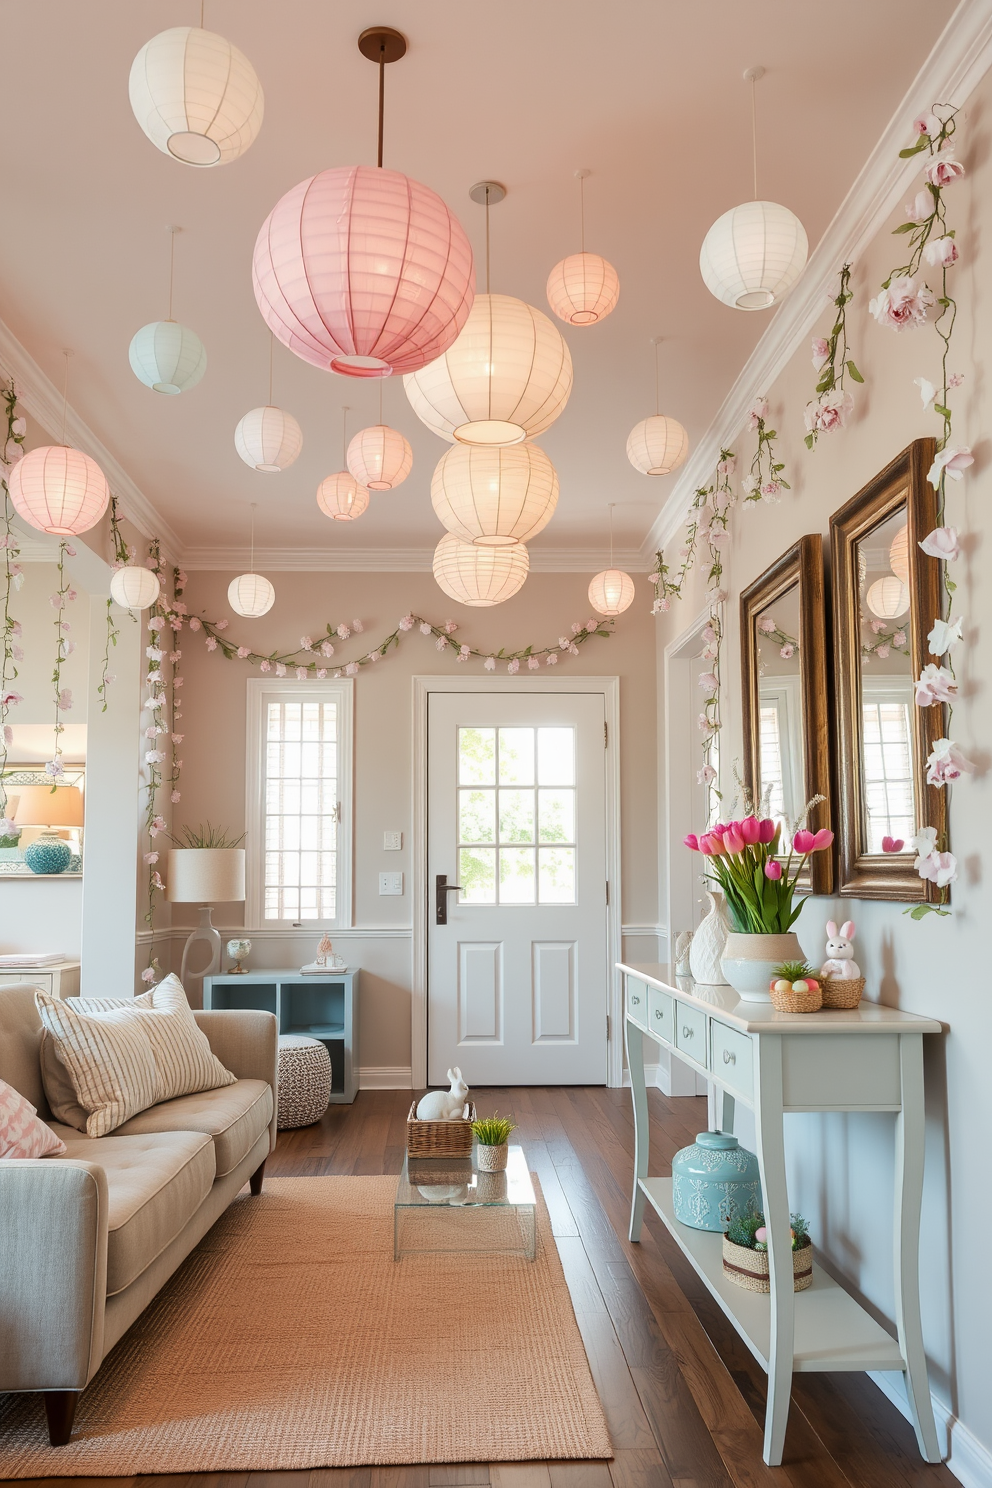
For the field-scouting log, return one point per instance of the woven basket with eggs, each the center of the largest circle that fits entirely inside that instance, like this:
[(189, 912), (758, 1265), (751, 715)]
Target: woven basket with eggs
[(795, 988)]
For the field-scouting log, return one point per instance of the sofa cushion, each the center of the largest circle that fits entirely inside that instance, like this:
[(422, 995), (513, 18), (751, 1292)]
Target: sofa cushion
[(235, 1116), (155, 1184), (22, 1134)]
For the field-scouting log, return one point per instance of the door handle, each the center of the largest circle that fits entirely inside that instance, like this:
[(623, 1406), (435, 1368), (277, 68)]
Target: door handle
[(441, 891)]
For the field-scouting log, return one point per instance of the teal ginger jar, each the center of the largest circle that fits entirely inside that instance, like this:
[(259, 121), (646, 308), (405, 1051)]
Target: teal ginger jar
[(714, 1182), (48, 855)]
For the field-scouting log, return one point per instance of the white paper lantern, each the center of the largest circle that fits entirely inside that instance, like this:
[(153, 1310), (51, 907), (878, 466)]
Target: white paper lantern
[(268, 439), (59, 490), (341, 497), (505, 378), (379, 458), (753, 255), (251, 595), (583, 288), (887, 598), (657, 445), (196, 96), (494, 496), (611, 592), (167, 357), (135, 588), (479, 576), (899, 555)]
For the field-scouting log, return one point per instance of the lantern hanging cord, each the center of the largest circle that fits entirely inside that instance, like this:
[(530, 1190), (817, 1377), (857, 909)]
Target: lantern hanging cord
[(344, 435), (381, 380), (65, 389), (272, 341), (657, 378), (487, 239), (611, 505), (382, 96), (251, 561), (754, 134), (172, 267), (202, 3), (582, 214)]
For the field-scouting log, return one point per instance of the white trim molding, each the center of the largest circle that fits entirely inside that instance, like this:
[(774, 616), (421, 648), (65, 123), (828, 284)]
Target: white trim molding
[(968, 1459), (385, 1077), (396, 560)]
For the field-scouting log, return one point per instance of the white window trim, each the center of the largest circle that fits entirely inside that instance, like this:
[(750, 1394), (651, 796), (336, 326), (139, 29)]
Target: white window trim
[(290, 690)]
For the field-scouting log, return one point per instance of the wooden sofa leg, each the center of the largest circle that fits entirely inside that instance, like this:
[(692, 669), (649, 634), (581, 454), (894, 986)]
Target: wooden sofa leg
[(60, 1408), (255, 1181)]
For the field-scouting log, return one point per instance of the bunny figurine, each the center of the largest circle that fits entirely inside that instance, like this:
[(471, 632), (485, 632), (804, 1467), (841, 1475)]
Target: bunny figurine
[(445, 1105), (840, 963)]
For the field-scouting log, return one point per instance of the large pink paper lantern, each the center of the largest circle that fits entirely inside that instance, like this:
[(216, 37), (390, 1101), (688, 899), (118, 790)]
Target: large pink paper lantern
[(362, 271), (59, 490)]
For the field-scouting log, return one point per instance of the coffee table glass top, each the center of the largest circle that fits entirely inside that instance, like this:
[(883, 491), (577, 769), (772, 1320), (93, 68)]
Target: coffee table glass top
[(447, 1204), (455, 1182)]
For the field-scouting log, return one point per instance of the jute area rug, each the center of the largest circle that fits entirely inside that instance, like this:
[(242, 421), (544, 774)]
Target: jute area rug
[(291, 1339)]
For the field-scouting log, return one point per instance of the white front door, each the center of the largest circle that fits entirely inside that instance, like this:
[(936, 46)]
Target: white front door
[(518, 975)]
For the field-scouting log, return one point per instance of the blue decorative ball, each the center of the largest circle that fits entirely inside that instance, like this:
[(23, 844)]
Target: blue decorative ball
[(48, 855), (714, 1182)]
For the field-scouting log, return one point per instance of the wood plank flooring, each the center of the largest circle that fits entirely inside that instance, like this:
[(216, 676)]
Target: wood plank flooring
[(682, 1395)]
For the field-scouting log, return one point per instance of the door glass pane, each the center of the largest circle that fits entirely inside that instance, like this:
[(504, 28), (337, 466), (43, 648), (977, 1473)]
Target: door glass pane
[(516, 756), (556, 815), (477, 875), (516, 816), (477, 816), (557, 870), (477, 756), (556, 756), (516, 875)]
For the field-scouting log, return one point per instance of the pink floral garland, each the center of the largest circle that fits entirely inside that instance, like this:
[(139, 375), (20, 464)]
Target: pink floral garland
[(833, 404), (13, 578), (764, 481)]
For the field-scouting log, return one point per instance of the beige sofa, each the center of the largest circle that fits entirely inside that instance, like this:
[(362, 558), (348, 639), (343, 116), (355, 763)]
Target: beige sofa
[(88, 1239)]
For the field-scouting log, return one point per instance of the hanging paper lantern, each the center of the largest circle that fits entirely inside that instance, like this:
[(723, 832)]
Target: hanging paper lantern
[(364, 272), (657, 445), (167, 357), (611, 592), (506, 378), (59, 490), (379, 458), (251, 595), (899, 555), (196, 96), (494, 496), (135, 588), (268, 439), (341, 497), (583, 288), (753, 255), (888, 597), (479, 576)]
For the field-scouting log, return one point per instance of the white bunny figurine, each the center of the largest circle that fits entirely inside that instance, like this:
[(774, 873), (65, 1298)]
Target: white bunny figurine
[(445, 1105), (840, 961)]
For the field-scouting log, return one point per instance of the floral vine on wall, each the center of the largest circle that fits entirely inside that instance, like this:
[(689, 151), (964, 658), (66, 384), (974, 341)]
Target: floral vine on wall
[(832, 405), (764, 481), (13, 578)]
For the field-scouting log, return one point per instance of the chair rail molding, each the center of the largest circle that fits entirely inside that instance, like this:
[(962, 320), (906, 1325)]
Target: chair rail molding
[(395, 560)]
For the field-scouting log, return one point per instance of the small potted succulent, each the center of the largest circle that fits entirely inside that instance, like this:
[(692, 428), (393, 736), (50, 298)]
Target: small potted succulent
[(745, 1253), (795, 988), (492, 1134)]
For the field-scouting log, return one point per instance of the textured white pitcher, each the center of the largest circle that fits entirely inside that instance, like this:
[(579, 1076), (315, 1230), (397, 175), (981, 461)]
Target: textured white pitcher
[(708, 943)]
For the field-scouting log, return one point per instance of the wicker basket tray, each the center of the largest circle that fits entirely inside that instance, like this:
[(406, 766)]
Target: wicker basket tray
[(844, 993), (749, 1268), (439, 1138), (796, 1002)]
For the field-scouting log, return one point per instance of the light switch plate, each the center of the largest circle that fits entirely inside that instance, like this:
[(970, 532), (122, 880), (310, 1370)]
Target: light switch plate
[(392, 841), (390, 883)]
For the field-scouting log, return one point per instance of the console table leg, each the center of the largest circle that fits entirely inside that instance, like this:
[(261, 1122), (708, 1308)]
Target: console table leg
[(909, 1197), (728, 1112), (639, 1095), (771, 1161)]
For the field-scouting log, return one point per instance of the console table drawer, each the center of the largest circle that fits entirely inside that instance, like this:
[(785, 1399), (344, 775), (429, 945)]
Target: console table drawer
[(690, 1033), (661, 1019), (730, 1058), (637, 1000)]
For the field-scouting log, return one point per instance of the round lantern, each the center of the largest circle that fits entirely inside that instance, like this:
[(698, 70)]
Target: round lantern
[(251, 595), (887, 598), (196, 96), (899, 555), (268, 439), (363, 271), (657, 445), (379, 458), (479, 576), (753, 255), (611, 592), (583, 288), (167, 357), (135, 588), (492, 496), (59, 490), (506, 378), (341, 497)]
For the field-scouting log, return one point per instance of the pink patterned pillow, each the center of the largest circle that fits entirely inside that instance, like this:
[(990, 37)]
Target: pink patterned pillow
[(22, 1134)]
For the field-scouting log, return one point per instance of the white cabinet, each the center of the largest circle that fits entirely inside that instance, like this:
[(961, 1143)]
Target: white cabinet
[(60, 980)]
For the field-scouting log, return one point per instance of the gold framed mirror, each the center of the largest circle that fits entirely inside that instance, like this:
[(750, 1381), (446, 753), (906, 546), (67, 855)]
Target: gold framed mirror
[(785, 699), (886, 594)]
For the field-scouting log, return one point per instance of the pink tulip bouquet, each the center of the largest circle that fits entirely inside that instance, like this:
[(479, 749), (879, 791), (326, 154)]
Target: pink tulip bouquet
[(758, 888)]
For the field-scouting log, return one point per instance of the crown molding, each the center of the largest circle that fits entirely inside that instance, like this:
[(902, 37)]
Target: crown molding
[(958, 62), (394, 560)]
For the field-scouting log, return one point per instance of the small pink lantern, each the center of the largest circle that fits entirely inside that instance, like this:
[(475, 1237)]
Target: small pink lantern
[(363, 271), (341, 497), (379, 457), (59, 490)]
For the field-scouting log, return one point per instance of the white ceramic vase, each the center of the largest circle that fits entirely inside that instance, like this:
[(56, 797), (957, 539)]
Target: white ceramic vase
[(750, 960), (708, 942)]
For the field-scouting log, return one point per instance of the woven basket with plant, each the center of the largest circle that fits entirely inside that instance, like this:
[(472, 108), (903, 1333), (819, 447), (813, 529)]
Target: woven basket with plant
[(745, 1253), (796, 988)]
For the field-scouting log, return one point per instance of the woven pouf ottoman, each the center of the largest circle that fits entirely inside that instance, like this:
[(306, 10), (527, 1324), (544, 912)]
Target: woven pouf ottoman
[(304, 1081)]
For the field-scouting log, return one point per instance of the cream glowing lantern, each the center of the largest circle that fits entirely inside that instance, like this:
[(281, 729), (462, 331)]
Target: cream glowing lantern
[(339, 496), (196, 97), (899, 555), (888, 598), (268, 439), (657, 445), (164, 355), (583, 288), (59, 490), (495, 497), (135, 588), (251, 594), (479, 576), (612, 591), (379, 457)]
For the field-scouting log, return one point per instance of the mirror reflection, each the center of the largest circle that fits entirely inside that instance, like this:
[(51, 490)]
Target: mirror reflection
[(781, 784)]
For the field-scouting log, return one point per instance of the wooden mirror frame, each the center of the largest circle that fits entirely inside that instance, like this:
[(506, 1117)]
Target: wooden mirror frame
[(802, 565), (874, 875)]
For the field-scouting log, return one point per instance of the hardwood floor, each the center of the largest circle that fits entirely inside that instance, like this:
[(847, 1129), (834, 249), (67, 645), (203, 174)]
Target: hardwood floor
[(682, 1395)]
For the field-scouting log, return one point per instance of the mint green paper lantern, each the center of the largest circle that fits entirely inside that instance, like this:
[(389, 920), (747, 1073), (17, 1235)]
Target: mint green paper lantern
[(167, 357)]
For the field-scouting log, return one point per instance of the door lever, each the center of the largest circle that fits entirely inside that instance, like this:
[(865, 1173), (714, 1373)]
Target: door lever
[(441, 892)]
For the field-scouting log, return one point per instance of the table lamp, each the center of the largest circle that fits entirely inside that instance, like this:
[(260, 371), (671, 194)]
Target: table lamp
[(205, 876), (41, 806)]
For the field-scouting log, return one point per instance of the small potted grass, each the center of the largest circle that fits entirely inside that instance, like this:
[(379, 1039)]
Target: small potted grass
[(492, 1134), (745, 1253), (795, 988)]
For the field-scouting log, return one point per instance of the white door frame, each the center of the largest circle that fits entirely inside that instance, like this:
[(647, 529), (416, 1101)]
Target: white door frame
[(609, 690), (682, 760)]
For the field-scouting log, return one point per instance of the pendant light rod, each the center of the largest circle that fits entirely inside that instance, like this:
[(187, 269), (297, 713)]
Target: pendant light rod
[(251, 561), (580, 176), (611, 505), (272, 343), (344, 436), (487, 194), (202, 3), (172, 264), (381, 44), (381, 381), (656, 342), (65, 389), (754, 75)]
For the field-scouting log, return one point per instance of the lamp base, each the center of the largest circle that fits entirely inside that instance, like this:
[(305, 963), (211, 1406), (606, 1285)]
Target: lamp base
[(205, 933)]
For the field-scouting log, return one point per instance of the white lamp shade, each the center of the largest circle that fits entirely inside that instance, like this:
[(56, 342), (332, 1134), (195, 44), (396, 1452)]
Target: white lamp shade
[(506, 378), (887, 598), (40, 806), (58, 490), (753, 255), (206, 875), (379, 458), (268, 439), (196, 96), (341, 497), (135, 588), (899, 555), (657, 445), (251, 595), (495, 496), (479, 576), (583, 288), (611, 592), (167, 357)]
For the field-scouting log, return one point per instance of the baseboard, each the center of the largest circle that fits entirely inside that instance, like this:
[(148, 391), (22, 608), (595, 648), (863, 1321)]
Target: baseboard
[(656, 1077), (968, 1459), (385, 1077)]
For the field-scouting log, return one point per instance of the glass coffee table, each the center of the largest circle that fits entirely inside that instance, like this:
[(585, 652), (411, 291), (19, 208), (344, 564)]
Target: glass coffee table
[(447, 1204)]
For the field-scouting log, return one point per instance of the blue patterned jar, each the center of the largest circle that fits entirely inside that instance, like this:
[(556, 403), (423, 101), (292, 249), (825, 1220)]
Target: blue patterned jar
[(714, 1182), (48, 855)]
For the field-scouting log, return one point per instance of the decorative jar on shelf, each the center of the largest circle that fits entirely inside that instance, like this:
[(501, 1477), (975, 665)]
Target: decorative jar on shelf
[(48, 855), (706, 946), (714, 1182)]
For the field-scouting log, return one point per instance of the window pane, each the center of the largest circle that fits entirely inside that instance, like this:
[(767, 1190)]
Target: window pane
[(516, 756), (556, 814), (477, 875), (556, 756), (516, 816), (477, 756), (557, 868), (299, 827), (516, 875), (477, 816)]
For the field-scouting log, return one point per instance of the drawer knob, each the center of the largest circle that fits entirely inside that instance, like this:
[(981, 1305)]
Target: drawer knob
[(729, 1057), (687, 1032), (635, 1000), (658, 1013)]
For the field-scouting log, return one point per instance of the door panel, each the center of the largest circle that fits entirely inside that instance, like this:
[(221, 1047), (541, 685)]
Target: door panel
[(480, 992), (553, 991)]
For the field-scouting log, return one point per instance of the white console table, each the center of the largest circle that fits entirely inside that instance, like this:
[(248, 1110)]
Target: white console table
[(869, 1059)]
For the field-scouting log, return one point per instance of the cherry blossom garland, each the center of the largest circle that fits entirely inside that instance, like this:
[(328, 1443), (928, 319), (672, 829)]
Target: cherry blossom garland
[(64, 647), (122, 555), (164, 616), (787, 644), (764, 481), (13, 578), (666, 589), (886, 641), (830, 408)]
